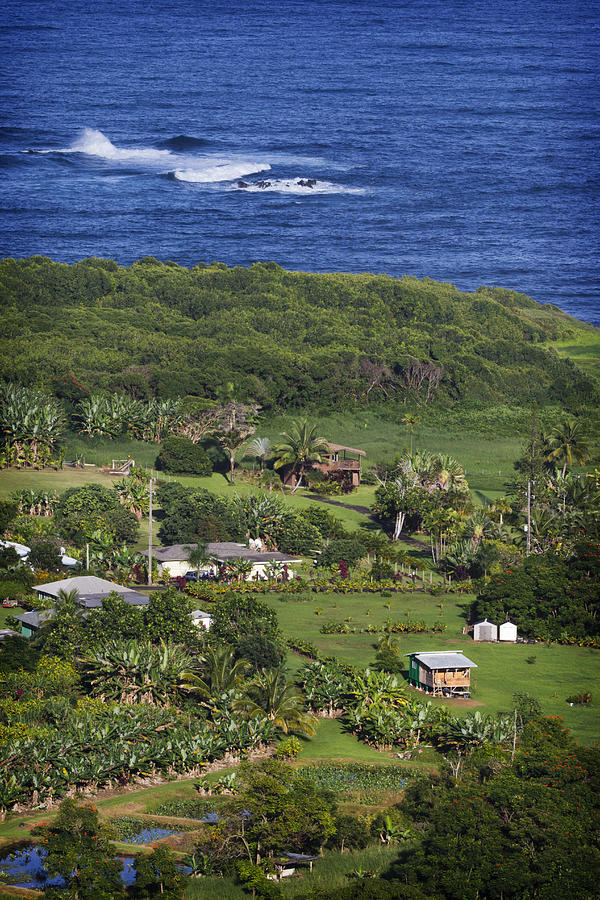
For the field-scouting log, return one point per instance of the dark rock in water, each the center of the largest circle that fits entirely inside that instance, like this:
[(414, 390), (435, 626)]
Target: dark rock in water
[(307, 182), (242, 184), (263, 184)]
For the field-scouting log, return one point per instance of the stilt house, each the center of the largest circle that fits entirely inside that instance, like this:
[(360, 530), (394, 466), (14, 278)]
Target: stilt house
[(442, 673)]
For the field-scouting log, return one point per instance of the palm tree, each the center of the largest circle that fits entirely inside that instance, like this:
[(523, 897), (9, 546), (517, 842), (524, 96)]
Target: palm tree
[(411, 420), (260, 448), (567, 444), (269, 696), (480, 527), (300, 448), (219, 672), (450, 475), (197, 557), (232, 441), (440, 525), (501, 506)]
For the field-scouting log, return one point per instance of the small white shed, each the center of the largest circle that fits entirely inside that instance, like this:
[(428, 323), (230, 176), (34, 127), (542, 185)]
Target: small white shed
[(507, 632), (201, 619), (485, 631)]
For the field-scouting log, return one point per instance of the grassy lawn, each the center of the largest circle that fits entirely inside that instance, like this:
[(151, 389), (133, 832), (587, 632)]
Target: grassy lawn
[(487, 458), (550, 673), (12, 480), (332, 742), (5, 612), (583, 347)]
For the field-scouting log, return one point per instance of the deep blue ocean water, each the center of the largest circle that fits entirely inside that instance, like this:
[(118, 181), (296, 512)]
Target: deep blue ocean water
[(449, 139)]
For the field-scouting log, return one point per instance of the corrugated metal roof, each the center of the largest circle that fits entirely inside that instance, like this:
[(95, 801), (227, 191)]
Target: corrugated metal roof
[(35, 617), (83, 584), (337, 447), (221, 550), (94, 601), (444, 660)]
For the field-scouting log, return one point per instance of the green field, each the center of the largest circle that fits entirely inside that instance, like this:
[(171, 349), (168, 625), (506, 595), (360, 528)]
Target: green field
[(550, 673), (583, 348), (554, 673)]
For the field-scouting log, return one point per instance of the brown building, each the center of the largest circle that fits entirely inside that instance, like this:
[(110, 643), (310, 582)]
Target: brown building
[(441, 673), (338, 459)]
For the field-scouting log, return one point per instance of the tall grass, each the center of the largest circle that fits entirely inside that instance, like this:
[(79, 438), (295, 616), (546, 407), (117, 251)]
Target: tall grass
[(329, 872)]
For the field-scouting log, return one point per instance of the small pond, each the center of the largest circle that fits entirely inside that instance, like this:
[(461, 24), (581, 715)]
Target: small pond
[(25, 866), (148, 835)]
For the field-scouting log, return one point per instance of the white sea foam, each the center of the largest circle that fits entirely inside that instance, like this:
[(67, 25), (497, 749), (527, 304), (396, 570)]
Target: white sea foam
[(304, 186), (94, 143), (227, 172), (220, 170)]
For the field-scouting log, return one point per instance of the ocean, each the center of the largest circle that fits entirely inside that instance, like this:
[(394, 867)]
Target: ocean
[(454, 140)]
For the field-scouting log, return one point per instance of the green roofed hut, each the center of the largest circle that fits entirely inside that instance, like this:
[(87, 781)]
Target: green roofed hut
[(442, 673)]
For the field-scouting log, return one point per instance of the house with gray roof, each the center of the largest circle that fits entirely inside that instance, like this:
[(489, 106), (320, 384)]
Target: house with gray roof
[(443, 673), (176, 558), (91, 590), (32, 621)]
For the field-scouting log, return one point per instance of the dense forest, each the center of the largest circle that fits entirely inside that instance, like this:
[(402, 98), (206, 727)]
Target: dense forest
[(283, 339)]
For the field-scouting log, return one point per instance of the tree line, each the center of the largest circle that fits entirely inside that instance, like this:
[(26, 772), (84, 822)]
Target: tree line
[(282, 339)]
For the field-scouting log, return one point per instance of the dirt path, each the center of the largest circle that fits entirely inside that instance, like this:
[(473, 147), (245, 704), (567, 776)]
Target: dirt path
[(364, 511)]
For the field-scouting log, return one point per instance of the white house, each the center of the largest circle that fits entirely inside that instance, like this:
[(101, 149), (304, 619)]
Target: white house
[(507, 632), (23, 551), (176, 559), (485, 631), (201, 619)]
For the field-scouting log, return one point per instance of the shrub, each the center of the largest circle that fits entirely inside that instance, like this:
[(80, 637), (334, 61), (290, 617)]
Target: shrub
[(81, 511), (235, 617), (577, 699), (295, 534), (17, 653), (122, 524), (8, 512), (261, 651), (329, 526), (179, 454), (349, 549), (388, 660), (17, 590), (351, 833), (288, 749), (45, 555)]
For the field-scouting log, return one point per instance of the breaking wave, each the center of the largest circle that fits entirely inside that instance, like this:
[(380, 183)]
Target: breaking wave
[(220, 171), (182, 164), (94, 143), (304, 186)]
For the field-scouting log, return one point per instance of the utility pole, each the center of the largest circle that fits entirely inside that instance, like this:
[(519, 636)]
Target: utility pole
[(528, 517), (87, 557), (150, 531)]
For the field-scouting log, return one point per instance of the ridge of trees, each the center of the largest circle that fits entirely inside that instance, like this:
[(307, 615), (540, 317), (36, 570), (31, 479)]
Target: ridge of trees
[(283, 339)]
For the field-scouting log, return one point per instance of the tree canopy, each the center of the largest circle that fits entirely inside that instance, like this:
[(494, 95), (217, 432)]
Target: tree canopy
[(282, 339)]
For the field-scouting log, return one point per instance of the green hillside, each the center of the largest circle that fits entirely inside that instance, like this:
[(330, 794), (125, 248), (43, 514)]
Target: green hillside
[(288, 339)]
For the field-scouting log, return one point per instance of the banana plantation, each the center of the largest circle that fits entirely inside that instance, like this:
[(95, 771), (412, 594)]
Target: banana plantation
[(32, 424), (377, 708), (130, 711)]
